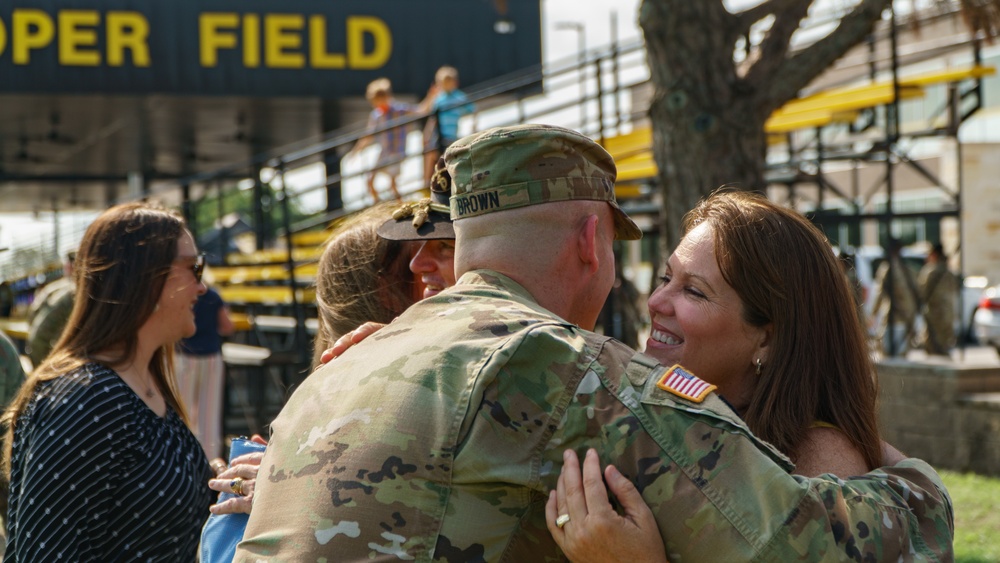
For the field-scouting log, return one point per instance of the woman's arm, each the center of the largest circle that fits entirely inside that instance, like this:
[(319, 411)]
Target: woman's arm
[(65, 489), (225, 323)]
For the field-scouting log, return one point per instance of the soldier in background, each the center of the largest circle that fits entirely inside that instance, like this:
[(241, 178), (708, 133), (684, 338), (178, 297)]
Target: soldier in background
[(11, 378), (902, 303), (6, 299), (49, 313), (938, 288)]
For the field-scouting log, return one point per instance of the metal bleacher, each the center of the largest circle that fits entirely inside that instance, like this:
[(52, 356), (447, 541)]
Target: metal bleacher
[(633, 151)]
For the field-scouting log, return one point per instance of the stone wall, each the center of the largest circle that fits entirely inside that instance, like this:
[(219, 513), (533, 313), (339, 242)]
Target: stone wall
[(946, 414)]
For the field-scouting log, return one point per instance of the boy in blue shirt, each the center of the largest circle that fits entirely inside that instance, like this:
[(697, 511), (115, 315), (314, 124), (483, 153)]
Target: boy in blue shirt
[(447, 104)]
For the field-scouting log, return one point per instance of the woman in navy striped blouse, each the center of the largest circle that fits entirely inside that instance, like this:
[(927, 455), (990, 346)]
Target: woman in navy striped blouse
[(102, 465)]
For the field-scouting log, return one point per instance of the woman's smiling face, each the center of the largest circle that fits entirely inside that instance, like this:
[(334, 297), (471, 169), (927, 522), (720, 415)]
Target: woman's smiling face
[(697, 320)]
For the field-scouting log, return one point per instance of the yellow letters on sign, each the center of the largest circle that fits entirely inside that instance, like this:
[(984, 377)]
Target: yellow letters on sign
[(3, 37), (357, 27), (280, 40), (318, 56), (30, 30), (127, 30), (78, 38), (288, 41), (211, 37), (282, 33), (77, 34)]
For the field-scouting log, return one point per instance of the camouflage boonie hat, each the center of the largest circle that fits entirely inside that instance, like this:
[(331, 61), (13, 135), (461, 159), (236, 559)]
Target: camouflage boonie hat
[(510, 167), (427, 219)]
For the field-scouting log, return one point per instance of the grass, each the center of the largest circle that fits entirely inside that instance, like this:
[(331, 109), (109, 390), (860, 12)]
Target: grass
[(977, 516)]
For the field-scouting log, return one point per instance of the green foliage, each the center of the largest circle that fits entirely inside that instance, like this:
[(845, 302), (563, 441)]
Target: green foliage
[(205, 212), (977, 520)]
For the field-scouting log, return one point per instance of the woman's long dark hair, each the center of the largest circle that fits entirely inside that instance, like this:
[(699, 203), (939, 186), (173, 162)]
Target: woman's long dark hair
[(120, 271), (361, 277), (818, 365)]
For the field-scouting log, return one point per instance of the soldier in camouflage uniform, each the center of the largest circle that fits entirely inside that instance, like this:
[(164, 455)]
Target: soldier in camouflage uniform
[(438, 438), (902, 302), (50, 312), (938, 288), (11, 378)]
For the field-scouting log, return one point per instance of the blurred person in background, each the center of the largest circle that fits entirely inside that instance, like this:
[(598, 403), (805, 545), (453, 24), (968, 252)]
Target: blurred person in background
[(392, 142), (102, 464), (902, 304), (11, 378), (201, 373), (6, 299), (49, 313), (938, 290), (447, 104)]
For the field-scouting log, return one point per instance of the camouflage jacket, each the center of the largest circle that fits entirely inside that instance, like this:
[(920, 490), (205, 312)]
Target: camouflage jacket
[(438, 438), (11, 371), (48, 317)]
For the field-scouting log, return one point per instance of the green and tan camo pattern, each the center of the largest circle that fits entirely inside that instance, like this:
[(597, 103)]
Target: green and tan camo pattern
[(438, 439), (511, 167)]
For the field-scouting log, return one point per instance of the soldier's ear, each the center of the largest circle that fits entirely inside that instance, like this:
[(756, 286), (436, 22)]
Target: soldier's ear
[(587, 241)]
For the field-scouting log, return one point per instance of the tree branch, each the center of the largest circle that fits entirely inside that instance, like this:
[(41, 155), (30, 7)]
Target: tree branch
[(753, 15), (780, 80), (981, 15), (774, 47)]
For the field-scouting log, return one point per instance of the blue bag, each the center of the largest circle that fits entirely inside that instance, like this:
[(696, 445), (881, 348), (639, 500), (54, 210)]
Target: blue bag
[(223, 531)]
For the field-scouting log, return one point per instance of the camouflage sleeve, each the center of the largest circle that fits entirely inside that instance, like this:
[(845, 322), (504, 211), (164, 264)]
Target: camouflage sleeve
[(48, 326), (11, 372), (720, 494), (897, 513)]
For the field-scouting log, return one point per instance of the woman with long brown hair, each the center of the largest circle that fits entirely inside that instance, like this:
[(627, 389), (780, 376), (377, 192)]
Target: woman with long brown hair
[(754, 302), (362, 277), (101, 462)]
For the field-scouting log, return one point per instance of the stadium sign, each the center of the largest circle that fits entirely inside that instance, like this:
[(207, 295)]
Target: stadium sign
[(259, 47)]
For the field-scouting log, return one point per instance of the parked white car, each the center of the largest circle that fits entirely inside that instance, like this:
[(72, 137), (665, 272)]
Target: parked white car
[(986, 321)]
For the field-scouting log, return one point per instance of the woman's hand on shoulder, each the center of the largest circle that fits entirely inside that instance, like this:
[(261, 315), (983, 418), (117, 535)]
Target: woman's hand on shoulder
[(588, 529), (345, 342)]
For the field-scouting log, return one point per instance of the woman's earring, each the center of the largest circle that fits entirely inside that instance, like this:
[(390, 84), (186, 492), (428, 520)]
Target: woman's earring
[(758, 367)]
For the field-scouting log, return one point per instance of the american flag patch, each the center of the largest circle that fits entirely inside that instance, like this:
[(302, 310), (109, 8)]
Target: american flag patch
[(683, 383)]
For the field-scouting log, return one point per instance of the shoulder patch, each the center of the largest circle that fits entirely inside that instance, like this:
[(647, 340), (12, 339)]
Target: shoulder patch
[(683, 383)]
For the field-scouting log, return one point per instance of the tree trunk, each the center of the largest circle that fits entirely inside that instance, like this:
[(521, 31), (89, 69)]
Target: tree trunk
[(705, 131), (707, 118)]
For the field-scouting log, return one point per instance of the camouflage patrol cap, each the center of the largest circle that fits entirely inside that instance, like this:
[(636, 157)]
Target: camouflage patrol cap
[(427, 219), (510, 167)]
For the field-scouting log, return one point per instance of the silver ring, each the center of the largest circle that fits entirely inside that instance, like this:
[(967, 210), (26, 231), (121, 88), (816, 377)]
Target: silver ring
[(562, 520)]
